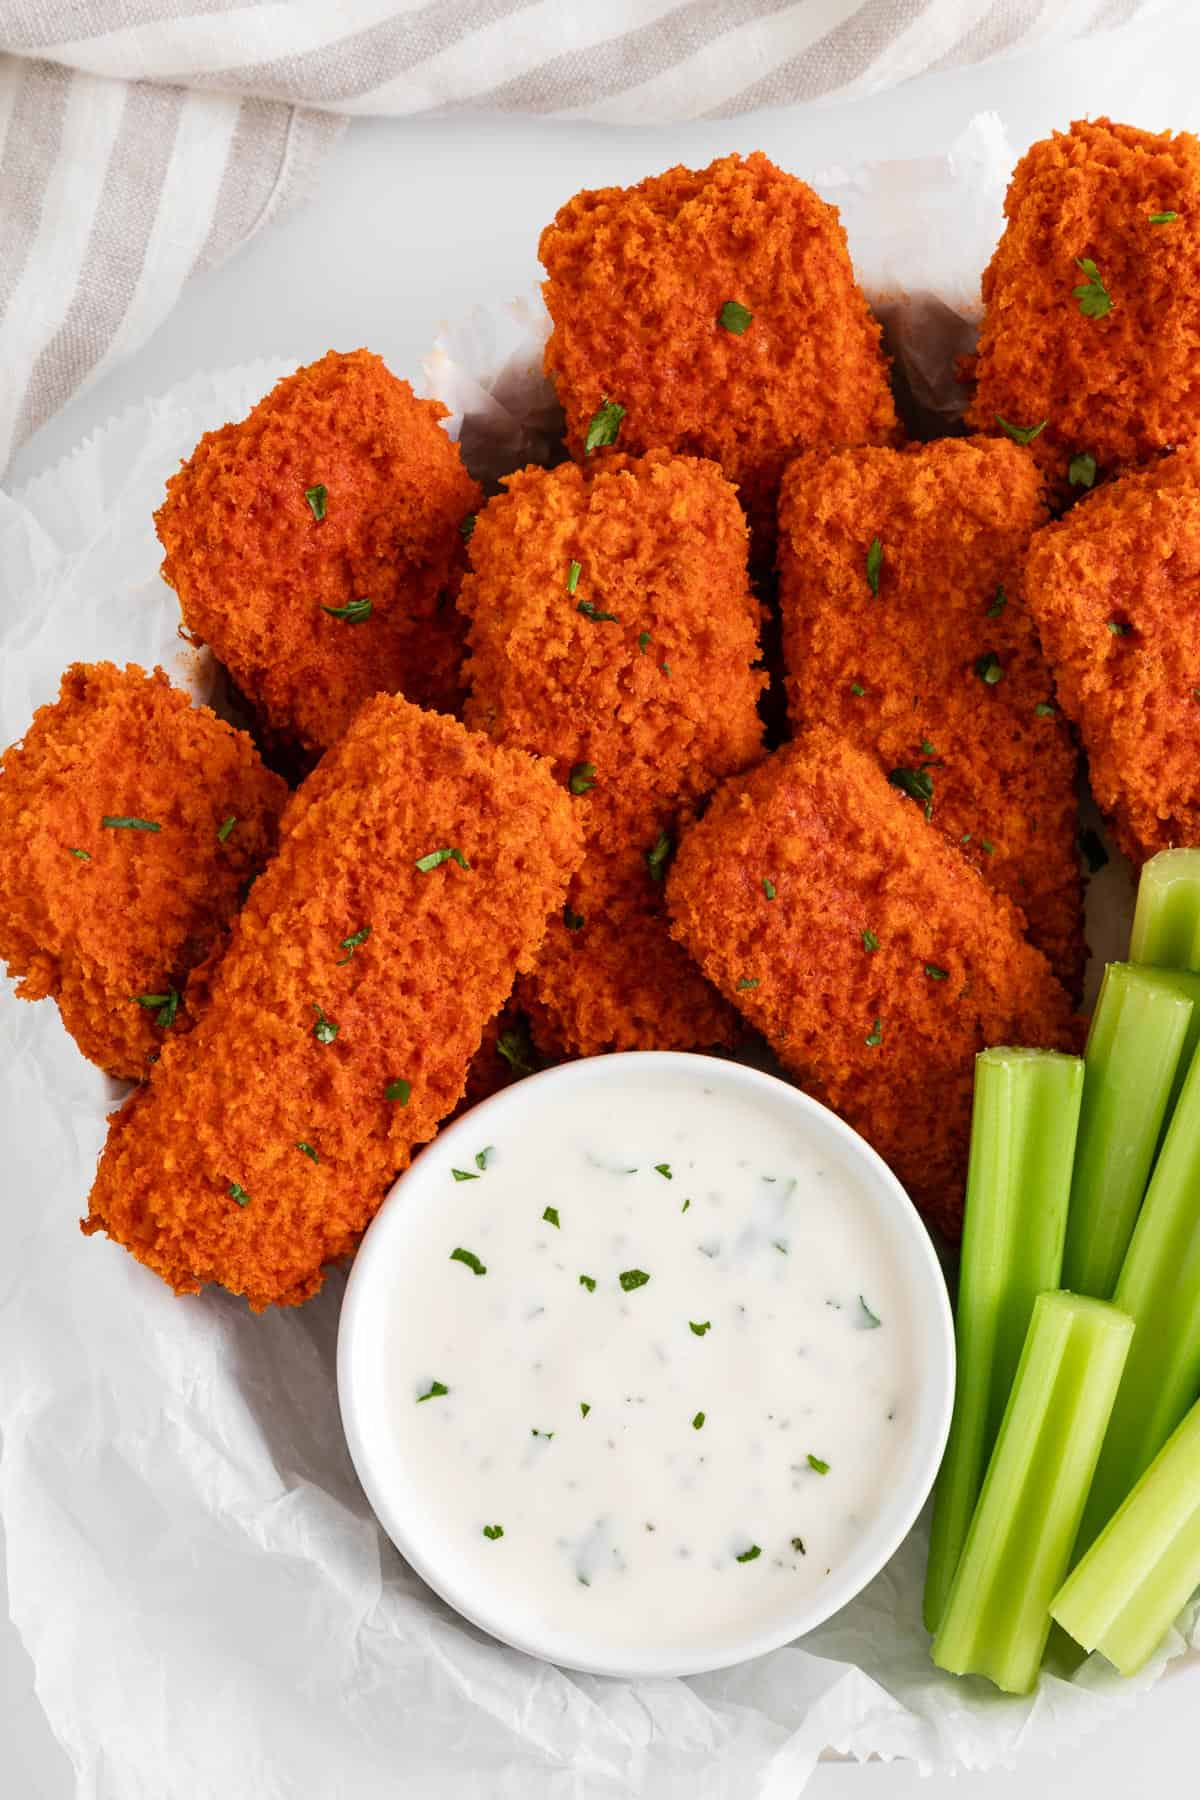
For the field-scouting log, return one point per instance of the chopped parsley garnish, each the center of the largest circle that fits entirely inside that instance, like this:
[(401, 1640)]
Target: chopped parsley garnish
[(604, 426), (574, 571), (934, 973), (874, 564), (122, 824), (467, 527), (734, 317), (534, 1432), (698, 1330), (644, 639), (398, 1090), (986, 847), (1046, 710), (481, 1156), (582, 777), (584, 1409), (316, 497), (551, 1217), (463, 1175), (306, 1149), (927, 748), (917, 784), (870, 941), (516, 1048), (1093, 850), (470, 1259), (164, 1006), (685, 1206), (592, 612), (798, 1544), (1094, 299), (697, 1421), (354, 611), (237, 1192), (436, 1390), (224, 829), (83, 855), (588, 1282), (989, 668), (856, 687), (1081, 470), (572, 920), (350, 944), (1163, 218), (746, 981), (1022, 434), (1119, 627), (664, 1169), (768, 888), (999, 602), (750, 1554), (665, 667), (658, 856), (435, 858), (873, 1320), (876, 1036), (324, 1030), (815, 1462), (493, 1532), (632, 1278)]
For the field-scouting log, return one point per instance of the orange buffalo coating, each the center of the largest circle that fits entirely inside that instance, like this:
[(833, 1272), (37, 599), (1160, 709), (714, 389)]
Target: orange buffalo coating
[(94, 915), (638, 280), (257, 572), (869, 953), (613, 631), (1115, 590), (1117, 385), (345, 1011), (941, 671)]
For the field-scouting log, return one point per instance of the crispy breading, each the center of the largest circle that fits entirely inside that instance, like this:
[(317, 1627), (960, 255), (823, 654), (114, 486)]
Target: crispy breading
[(94, 915), (941, 671), (1116, 384), (638, 280), (345, 1011), (257, 572), (870, 954), (1115, 590), (613, 631)]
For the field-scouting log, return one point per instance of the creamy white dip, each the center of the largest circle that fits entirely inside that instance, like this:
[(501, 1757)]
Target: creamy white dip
[(648, 1369)]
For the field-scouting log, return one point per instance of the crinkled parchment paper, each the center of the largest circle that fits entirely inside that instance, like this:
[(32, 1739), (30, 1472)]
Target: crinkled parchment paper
[(209, 1605)]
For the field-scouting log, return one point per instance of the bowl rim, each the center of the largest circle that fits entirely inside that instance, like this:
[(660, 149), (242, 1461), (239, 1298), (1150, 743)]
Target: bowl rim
[(921, 1275)]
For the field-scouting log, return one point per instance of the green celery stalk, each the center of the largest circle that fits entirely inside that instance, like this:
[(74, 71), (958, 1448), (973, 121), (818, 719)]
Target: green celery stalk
[(1145, 1565), (1159, 1288), (1166, 920), (997, 1616), (1134, 1049), (1018, 1183)]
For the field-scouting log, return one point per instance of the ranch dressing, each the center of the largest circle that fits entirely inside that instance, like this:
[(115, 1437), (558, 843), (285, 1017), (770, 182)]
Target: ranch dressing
[(648, 1365)]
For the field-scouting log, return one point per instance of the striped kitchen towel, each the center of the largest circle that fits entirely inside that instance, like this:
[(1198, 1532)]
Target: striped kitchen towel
[(142, 140)]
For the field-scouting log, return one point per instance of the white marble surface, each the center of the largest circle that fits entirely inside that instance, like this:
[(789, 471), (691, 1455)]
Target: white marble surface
[(411, 224)]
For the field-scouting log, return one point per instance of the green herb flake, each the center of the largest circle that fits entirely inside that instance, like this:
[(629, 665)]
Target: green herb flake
[(1093, 851), (632, 1278), (470, 1259), (435, 1392), (1081, 470), (917, 784), (582, 777), (1045, 709), (698, 1422), (934, 973), (435, 858), (1022, 434), (493, 1532), (658, 856), (1163, 218), (1119, 627), (816, 1462), (665, 667), (316, 497), (986, 846), (83, 855), (998, 604), (927, 748), (115, 823), (225, 828), (593, 612), (588, 1282), (551, 1217), (517, 1050), (464, 1175), (574, 571), (734, 317), (876, 1037), (1095, 301), (604, 426), (306, 1149), (164, 1006), (466, 528), (481, 1156), (237, 1192), (798, 1545), (870, 941), (989, 668), (685, 1206), (750, 1554), (354, 611), (746, 981), (324, 1030), (534, 1432), (584, 1409), (856, 687), (644, 639), (873, 1320), (572, 920), (350, 944), (664, 1169), (398, 1090), (874, 564), (769, 888)]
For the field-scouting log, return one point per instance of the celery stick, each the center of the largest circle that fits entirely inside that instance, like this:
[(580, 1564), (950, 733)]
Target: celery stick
[(1019, 1179), (1160, 1289), (1145, 1565), (1166, 920), (997, 1616), (1133, 1053)]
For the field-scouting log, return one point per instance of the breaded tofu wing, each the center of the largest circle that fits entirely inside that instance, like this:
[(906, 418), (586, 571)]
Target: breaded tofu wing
[(871, 956), (415, 871), (1115, 590), (1091, 325), (719, 309), (613, 631), (316, 546), (905, 629), (134, 821)]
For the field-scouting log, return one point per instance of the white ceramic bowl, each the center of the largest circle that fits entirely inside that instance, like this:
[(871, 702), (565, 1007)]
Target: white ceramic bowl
[(362, 1390)]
